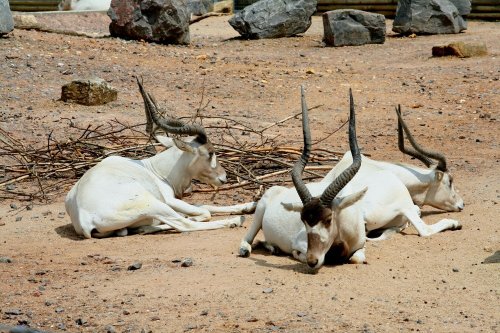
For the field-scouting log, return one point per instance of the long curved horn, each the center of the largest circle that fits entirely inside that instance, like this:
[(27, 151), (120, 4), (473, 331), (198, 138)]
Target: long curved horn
[(170, 125), (299, 166), (345, 177), (419, 152), (401, 141)]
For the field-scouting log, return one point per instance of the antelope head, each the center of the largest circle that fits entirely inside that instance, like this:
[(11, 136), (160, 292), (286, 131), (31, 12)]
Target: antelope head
[(202, 163), (441, 192), (320, 215)]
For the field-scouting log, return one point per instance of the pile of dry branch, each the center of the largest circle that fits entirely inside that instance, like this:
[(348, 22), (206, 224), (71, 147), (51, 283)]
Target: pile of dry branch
[(44, 172)]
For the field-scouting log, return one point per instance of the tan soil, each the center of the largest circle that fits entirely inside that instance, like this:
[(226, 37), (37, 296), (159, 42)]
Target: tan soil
[(435, 284)]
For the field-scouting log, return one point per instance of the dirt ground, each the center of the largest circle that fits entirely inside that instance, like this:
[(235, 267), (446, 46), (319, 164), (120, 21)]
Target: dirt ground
[(60, 282)]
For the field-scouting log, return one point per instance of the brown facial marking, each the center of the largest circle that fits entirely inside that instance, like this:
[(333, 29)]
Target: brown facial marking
[(313, 213)]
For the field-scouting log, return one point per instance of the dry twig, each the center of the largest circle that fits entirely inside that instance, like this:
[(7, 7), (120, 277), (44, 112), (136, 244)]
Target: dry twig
[(44, 173)]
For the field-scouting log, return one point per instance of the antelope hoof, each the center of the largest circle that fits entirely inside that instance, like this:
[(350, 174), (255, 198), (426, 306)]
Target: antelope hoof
[(238, 223), (245, 249)]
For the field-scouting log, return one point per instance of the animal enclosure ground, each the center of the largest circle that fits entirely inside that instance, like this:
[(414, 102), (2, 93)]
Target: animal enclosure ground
[(59, 282)]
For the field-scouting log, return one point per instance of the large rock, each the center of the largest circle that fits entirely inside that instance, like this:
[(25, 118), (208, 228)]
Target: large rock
[(160, 21), (94, 91), (430, 16), (463, 6), (353, 27), (200, 7), (6, 21), (274, 18)]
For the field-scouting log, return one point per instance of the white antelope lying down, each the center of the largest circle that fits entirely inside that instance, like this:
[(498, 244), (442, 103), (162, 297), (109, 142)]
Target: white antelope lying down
[(431, 186), (335, 217), (145, 195)]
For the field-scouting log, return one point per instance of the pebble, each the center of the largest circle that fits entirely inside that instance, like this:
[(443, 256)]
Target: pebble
[(267, 290), (109, 329), (5, 260), (455, 270), (10, 187), (19, 218), (135, 266), (13, 312), (80, 321), (13, 206), (59, 310), (187, 262)]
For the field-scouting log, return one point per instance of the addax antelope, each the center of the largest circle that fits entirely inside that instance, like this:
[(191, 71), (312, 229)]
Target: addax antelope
[(119, 194), (333, 218)]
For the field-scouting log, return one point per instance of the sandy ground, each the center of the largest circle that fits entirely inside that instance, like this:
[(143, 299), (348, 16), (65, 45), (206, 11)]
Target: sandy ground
[(60, 282)]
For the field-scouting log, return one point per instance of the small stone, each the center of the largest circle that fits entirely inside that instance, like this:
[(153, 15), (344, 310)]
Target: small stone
[(80, 322), (135, 266), (61, 326), (93, 91), (5, 260), (13, 206), (13, 312), (59, 310), (187, 262), (460, 49), (493, 259), (190, 327), (267, 290), (19, 218), (204, 313), (10, 187), (109, 329), (25, 21), (301, 314), (155, 318), (455, 270)]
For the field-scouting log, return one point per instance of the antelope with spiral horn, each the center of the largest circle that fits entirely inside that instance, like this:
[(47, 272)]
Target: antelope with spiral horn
[(121, 195)]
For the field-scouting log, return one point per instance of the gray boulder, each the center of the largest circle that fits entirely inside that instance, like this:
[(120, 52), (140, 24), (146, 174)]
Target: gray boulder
[(353, 27), (430, 17), (160, 21), (274, 18), (200, 7), (463, 6), (6, 20)]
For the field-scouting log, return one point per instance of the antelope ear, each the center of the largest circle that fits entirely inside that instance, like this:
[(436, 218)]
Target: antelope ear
[(184, 146), (341, 203), (165, 141), (293, 206), (439, 175)]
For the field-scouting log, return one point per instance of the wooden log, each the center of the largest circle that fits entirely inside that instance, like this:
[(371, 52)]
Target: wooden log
[(33, 5), (388, 8), (486, 9), (357, 2), (485, 2), (484, 16)]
